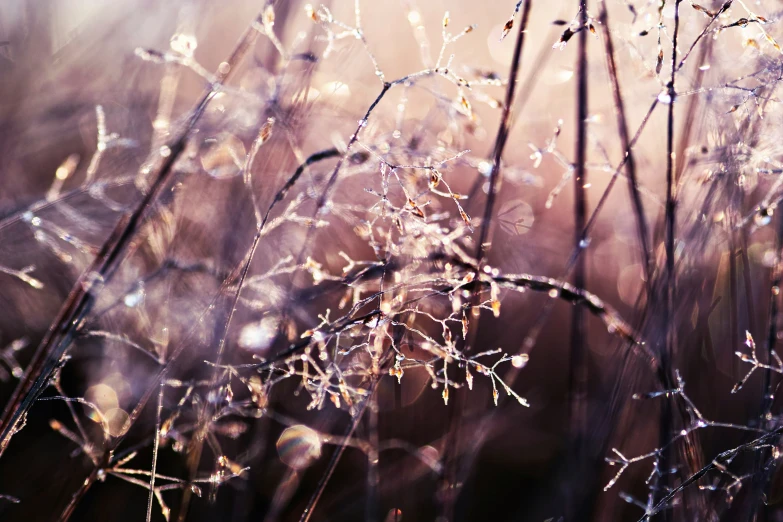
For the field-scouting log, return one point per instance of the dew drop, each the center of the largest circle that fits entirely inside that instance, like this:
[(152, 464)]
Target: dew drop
[(222, 156), (664, 97), (118, 422), (259, 336), (763, 217), (184, 44), (92, 283), (519, 361), (104, 398), (132, 299), (299, 446)]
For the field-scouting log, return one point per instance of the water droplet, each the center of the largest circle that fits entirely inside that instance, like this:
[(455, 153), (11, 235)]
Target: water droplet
[(519, 361), (117, 422), (259, 336), (298, 446), (103, 397), (584, 243), (562, 75), (664, 97), (515, 217), (763, 217), (223, 156), (133, 299), (485, 168), (336, 88), (184, 44), (630, 283), (769, 258), (92, 282), (165, 151)]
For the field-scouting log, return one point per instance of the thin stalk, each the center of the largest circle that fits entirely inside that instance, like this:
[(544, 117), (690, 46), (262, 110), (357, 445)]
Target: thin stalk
[(525, 91), (772, 321), (669, 287), (502, 136), (373, 476), (748, 281), (577, 378), (734, 339), (622, 127), (762, 471), (155, 447), (671, 197)]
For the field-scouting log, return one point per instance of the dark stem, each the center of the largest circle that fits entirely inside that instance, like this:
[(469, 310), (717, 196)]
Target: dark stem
[(669, 286), (622, 126), (500, 140), (772, 323), (762, 474), (155, 448), (721, 460), (671, 198), (577, 378)]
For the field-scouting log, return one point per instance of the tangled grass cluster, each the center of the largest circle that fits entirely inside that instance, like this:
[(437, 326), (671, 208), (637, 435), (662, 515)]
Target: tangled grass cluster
[(263, 257)]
